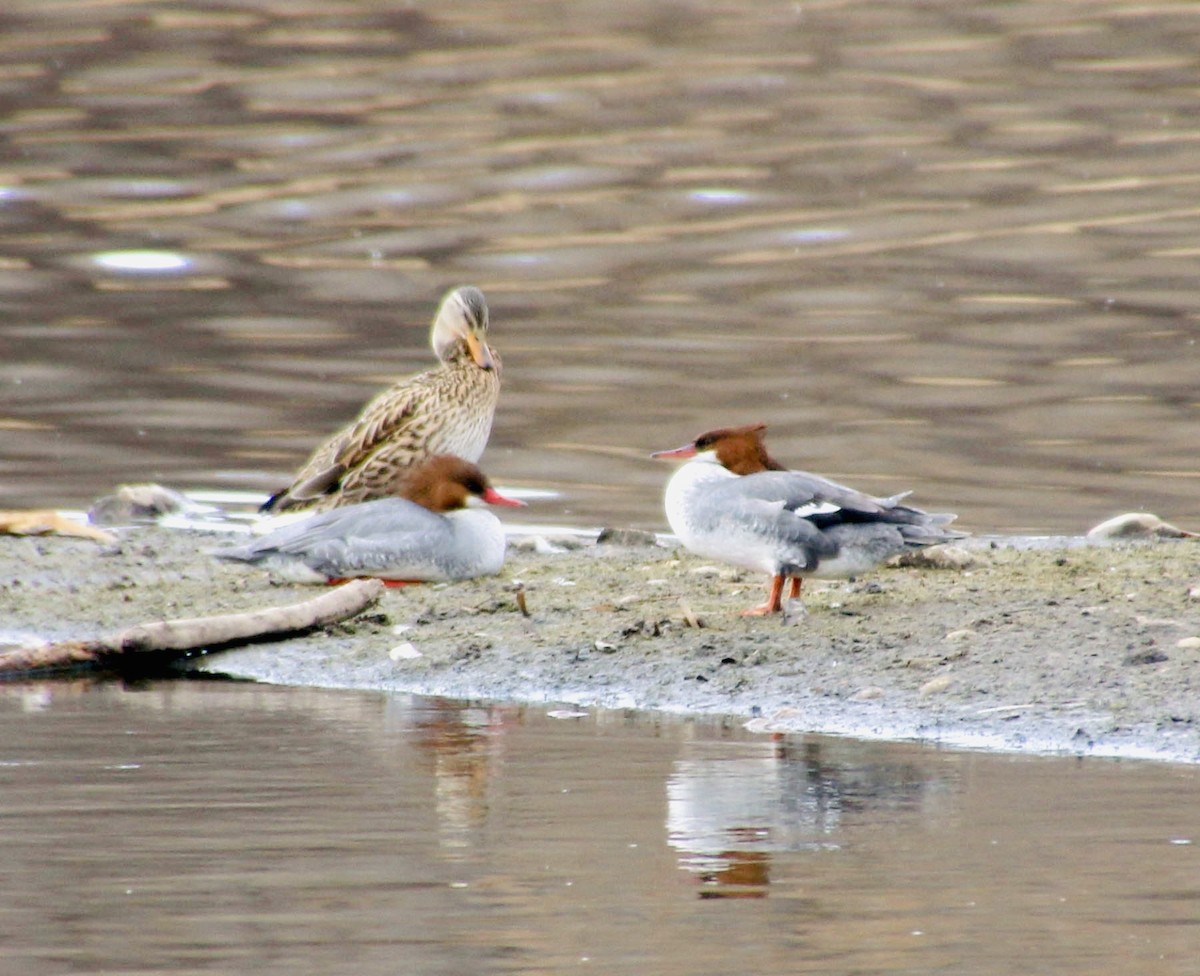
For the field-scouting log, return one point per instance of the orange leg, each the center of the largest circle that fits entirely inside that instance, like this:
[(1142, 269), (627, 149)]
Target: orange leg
[(774, 600), (794, 591), (391, 584)]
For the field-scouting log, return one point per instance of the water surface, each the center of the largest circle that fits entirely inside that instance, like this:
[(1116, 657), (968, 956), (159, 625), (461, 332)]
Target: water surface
[(942, 246), (208, 827)]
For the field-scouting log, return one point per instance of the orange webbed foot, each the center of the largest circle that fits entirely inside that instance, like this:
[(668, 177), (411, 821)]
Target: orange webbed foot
[(774, 602)]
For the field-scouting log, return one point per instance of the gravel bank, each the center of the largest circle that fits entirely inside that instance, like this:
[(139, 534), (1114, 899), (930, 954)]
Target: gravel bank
[(1057, 646)]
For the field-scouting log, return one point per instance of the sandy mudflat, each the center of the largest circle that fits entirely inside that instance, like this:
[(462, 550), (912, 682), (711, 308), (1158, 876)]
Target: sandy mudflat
[(1060, 647)]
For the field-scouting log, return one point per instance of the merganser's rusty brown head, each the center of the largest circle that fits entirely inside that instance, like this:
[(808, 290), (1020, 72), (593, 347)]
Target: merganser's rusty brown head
[(445, 482), (739, 449)]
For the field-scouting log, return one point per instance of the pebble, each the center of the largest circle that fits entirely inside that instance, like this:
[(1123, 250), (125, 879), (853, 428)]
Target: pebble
[(922, 663), (544, 545), (626, 537), (867, 694), (1189, 643), (138, 503), (794, 612), (966, 633), (937, 557), (935, 686), (1150, 656)]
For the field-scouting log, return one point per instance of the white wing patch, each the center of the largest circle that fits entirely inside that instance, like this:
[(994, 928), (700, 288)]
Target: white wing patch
[(816, 508)]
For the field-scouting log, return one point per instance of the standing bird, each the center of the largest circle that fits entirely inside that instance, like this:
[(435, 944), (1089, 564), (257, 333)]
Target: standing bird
[(428, 534), (445, 410), (732, 501)]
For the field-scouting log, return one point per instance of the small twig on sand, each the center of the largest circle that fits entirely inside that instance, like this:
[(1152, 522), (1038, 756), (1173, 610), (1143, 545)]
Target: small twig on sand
[(689, 617), (153, 644), (519, 589)]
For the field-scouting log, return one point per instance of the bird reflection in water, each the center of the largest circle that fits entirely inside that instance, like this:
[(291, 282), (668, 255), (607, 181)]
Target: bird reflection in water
[(732, 809), (462, 746)]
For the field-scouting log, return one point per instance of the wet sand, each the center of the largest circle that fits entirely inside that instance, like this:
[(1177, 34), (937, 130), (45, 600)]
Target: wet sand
[(1054, 647)]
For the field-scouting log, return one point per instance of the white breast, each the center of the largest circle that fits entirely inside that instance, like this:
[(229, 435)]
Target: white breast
[(478, 547), (701, 524)]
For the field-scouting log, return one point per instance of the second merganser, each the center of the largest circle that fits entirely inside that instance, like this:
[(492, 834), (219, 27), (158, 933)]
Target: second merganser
[(733, 502), (429, 534), (445, 410)]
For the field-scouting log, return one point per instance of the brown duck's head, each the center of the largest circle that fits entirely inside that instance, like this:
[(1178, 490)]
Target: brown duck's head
[(739, 449), (445, 482), (460, 327)]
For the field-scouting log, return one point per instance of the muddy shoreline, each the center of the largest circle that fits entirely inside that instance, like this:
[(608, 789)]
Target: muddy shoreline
[(1058, 647)]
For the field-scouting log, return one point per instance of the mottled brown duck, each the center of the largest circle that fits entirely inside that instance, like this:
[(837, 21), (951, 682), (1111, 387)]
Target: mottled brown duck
[(445, 410)]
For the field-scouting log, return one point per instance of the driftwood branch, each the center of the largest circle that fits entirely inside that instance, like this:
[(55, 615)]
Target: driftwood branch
[(164, 640)]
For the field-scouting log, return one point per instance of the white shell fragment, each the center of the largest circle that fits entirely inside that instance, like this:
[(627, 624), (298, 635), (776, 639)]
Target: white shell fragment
[(1138, 525), (404, 652)]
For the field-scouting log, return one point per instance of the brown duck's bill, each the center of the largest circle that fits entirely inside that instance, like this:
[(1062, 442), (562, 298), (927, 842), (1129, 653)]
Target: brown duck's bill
[(480, 354)]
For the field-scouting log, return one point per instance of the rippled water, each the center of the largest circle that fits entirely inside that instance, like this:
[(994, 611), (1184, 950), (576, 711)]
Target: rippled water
[(234, 828), (946, 246)]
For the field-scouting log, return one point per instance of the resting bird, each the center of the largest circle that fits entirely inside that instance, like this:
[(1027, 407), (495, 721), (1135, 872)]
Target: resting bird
[(429, 534), (733, 502), (445, 410)]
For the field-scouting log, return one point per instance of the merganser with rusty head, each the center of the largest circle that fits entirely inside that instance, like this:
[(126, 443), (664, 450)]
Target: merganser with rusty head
[(732, 501), (428, 534), (445, 410)]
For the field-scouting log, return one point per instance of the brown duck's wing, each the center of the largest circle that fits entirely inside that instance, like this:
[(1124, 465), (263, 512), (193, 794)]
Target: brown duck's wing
[(397, 414), (393, 410), (381, 473), (404, 424), (319, 485), (389, 410)]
